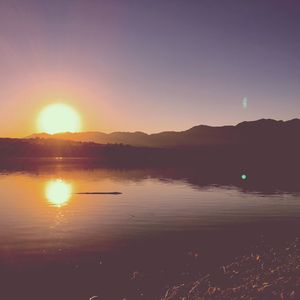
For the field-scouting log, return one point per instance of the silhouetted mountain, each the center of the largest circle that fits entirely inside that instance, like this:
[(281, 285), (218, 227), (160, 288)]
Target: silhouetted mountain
[(264, 131), (266, 150), (265, 142)]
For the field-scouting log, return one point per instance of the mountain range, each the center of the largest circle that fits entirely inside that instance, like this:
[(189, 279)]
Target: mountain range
[(259, 132)]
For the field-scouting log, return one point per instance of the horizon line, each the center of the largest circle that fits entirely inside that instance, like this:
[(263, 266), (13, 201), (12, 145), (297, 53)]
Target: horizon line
[(158, 132)]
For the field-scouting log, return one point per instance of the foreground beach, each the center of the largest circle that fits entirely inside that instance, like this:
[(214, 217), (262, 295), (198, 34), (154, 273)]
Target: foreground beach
[(265, 273)]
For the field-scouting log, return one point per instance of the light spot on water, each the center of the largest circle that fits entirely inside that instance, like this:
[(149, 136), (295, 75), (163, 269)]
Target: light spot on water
[(58, 192)]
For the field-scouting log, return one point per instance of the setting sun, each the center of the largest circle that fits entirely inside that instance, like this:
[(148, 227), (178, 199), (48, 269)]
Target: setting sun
[(57, 118)]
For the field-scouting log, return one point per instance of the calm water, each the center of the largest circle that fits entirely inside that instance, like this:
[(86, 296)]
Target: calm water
[(56, 244)]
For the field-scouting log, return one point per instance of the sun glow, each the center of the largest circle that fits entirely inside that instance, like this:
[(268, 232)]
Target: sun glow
[(57, 118), (58, 192)]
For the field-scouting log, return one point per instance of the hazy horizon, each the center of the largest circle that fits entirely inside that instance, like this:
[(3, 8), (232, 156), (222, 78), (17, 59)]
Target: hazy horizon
[(149, 133)]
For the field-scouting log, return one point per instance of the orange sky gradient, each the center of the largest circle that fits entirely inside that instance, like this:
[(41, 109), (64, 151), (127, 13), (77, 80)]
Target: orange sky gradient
[(148, 66)]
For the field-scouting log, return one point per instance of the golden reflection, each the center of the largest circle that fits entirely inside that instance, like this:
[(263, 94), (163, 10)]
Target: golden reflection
[(58, 192)]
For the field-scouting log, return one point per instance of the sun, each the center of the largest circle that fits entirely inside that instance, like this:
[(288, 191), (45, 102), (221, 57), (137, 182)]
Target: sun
[(57, 118)]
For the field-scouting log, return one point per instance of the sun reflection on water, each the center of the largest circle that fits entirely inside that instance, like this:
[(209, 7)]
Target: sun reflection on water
[(58, 192)]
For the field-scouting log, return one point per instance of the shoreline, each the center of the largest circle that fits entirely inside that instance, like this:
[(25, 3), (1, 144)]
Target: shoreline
[(265, 273)]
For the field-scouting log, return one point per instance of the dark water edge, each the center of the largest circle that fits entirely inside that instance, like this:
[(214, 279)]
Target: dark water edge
[(265, 175), (149, 265), (133, 272)]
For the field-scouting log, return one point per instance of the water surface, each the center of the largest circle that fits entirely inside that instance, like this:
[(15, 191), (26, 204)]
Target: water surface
[(64, 245)]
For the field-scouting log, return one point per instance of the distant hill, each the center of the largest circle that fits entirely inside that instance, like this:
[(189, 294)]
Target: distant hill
[(257, 145), (264, 131)]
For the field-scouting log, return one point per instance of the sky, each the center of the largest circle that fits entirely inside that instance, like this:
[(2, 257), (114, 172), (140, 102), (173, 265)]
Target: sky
[(137, 65)]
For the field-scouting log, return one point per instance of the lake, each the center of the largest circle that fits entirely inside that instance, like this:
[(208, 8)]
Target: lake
[(167, 226)]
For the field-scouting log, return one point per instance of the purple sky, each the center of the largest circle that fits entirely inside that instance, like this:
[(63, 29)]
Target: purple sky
[(149, 65)]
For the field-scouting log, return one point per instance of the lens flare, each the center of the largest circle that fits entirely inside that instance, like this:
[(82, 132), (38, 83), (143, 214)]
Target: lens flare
[(244, 177)]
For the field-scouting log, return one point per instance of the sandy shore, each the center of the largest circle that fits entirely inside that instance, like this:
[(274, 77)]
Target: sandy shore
[(266, 273)]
